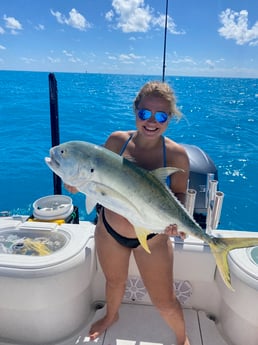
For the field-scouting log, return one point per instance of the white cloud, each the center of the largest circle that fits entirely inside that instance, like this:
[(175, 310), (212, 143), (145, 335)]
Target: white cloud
[(183, 60), (253, 43), (66, 53), (109, 15), (210, 63), (111, 57), (135, 16), (235, 26), (213, 63), (128, 58), (75, 19), (2, 47), (123, 58), (74, 59), (40, 27), (53, 60), (1, 30), (132, 16), (71, 57), (13, 24), (27, 60), (171, 26)]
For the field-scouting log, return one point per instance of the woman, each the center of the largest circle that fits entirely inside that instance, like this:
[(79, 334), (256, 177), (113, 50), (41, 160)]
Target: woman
[(154, 107)]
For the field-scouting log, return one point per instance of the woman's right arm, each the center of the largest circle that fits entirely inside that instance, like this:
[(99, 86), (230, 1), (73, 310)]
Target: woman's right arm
[(71, 189)]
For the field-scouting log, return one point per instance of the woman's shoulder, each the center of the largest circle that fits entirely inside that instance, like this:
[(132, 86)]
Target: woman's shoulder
[(176, 153), (120, 135), (173, 146), (117, 139)]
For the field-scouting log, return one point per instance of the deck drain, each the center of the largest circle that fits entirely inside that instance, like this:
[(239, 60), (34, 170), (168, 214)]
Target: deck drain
[(98, 305), (18, 246), (211, 317)]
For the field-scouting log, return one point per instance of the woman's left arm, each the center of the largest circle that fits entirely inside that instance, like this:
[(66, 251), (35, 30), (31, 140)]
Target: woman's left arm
[(179, 181)]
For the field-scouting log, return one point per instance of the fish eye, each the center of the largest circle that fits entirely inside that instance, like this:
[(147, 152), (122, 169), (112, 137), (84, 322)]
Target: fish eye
[(92, 170)]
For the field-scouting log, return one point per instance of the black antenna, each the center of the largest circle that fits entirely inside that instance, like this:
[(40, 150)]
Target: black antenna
[(54, 119), (165, 43)]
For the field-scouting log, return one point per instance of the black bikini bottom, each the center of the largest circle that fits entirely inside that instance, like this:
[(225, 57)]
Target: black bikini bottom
[(124, 241)]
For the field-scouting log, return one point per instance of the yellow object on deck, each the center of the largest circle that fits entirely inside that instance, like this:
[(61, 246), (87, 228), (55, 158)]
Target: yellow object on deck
[(58, 221), (40, 248)]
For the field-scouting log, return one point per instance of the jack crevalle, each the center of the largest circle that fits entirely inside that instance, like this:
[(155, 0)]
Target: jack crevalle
[(139, 195)]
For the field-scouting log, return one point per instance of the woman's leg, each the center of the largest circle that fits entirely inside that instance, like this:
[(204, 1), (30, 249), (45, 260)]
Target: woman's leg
[(156, 270), (114, 260)]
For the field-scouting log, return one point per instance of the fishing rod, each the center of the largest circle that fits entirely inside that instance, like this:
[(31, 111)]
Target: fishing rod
[(165, 43)]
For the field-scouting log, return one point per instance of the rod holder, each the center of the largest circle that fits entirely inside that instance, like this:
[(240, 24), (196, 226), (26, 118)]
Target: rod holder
[(212, 190), (210, 177), (190, 201), (217, 209)]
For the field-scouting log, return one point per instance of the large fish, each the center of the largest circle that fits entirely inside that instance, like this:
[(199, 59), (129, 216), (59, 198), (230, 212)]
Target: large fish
[(139, 195)]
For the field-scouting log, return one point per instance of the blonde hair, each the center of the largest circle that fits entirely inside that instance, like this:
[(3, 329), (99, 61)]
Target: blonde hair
[(158, 89)]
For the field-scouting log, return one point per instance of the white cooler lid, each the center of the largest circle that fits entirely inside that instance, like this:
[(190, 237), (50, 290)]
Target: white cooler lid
[(75, 238)]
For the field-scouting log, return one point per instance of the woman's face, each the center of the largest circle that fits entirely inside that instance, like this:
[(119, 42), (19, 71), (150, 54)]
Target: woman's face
[(152, 127)]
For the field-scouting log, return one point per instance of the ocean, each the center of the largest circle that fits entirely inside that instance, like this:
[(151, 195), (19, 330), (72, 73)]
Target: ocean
[(220, 116)]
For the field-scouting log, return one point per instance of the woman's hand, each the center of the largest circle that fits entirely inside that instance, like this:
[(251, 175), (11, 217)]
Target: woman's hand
[(71, 189), (172, 230)]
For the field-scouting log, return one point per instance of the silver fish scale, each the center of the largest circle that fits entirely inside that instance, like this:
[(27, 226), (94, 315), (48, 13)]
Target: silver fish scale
[(113, 180)]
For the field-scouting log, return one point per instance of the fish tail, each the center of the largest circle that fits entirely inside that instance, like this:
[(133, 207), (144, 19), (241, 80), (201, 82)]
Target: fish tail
[(142, 234), (220, 248)]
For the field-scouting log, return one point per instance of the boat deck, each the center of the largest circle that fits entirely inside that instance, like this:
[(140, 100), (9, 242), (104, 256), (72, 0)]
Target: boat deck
[(142, 325)]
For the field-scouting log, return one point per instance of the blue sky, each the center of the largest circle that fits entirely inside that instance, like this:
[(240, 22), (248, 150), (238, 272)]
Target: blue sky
[(204, 38)]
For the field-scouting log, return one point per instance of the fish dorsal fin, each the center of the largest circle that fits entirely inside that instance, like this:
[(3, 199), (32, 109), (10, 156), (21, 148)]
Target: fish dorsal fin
[(162, 173)]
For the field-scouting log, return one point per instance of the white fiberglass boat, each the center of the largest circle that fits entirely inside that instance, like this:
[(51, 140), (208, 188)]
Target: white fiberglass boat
[(52, 287)]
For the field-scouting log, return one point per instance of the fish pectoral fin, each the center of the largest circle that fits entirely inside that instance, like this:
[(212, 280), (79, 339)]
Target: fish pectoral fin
[(116, 198), (220, 248), (142, 234), (162, 173), (90, 204)]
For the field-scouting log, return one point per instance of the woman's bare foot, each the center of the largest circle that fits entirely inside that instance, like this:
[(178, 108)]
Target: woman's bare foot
[(100, 326), (187, 342)]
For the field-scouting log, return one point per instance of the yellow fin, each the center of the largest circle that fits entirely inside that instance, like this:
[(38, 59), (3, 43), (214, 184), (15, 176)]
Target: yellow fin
[(220, 248), (142, 234)]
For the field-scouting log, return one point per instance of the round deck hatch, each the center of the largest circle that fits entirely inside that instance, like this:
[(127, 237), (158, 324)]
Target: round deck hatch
[(32, 243)]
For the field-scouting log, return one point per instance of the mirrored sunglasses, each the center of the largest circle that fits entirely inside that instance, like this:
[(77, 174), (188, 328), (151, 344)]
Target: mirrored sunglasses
[(145, 114)]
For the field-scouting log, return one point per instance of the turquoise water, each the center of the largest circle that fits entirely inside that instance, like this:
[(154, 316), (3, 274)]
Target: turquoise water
[(220, 116)]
